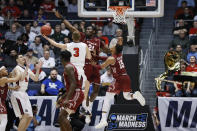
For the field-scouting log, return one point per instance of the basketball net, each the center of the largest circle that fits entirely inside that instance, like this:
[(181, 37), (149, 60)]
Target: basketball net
[(119, 13)]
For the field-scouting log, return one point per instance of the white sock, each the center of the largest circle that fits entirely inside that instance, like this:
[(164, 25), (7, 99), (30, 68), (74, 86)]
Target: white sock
[(90, 106), (84, 105), (108, 101)]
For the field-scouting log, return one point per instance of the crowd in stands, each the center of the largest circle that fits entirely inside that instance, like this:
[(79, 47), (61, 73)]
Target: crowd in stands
[(20, 24), (185, 44)]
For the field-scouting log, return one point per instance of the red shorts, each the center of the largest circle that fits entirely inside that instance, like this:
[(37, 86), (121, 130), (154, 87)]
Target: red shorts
[(92, 73), (122, 83), (76, 100)]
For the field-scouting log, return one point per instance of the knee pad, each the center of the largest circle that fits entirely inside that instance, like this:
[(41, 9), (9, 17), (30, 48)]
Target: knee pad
[(127, 95)]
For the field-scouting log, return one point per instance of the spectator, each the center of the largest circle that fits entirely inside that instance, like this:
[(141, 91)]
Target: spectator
[(193, 31), (115, 40), (72, 8), (2, 4), (181, 40), (41, 18), (10, 61), (47, 48), (20, 47), (66, 40), (51, 86), (25, 16), (186, 16), (37, 47), (20, 4), (110, 28), (189, 3), (180, 10), (32, 5), (180, 26), (35, 28), (25, 39), (1, 20), (36, 119), (192, 67), (82, 26), (64, 30), (31, 35), (32, 60), (107, 78), (61, 3), (179, 50), (192, 52), (15, 11), (13, 34), (5, 45), (58, 36), (102, 38), (47, 5), (48, 62), (42, 74)]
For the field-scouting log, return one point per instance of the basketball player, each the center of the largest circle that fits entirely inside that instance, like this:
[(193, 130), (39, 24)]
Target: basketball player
[(94, 44), (19, 98), (3, 95), (73, 97), (80, 52), (121, 82)]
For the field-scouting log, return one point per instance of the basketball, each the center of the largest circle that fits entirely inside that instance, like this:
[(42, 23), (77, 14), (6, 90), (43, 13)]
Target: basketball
[(46, 30)]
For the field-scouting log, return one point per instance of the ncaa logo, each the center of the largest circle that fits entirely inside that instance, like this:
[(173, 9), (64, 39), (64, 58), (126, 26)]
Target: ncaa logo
[(113, 117)]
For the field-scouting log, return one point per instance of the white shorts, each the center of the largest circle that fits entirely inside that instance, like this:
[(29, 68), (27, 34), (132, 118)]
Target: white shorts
[(3, 121), (21, 104), (81, 73)]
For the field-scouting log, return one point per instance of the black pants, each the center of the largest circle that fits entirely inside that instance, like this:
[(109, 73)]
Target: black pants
[(11, 116)]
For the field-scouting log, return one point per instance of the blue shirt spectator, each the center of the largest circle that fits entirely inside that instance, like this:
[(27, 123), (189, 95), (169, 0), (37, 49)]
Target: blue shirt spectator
[(189, 3), (51, 86), (193, 52)]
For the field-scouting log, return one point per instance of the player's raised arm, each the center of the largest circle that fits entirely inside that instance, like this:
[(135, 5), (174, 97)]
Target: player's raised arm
[(52, 42), (110, 61), (66, 22), (35, 77)]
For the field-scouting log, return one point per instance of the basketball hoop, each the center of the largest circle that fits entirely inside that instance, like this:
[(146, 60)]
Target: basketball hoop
[(119, 13)]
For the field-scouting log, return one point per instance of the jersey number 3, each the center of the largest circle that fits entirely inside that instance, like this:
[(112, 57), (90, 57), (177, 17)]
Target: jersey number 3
[(76, 54)]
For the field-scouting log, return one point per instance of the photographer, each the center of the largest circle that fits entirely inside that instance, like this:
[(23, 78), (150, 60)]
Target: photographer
[(36, 119)]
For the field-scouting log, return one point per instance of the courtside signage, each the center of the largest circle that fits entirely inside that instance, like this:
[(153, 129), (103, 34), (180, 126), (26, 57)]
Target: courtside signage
[(127, 121), (178, 114)]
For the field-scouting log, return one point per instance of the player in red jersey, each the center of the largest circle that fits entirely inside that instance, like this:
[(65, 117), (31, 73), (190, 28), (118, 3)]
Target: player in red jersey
[(122, 82), (3, 95), (73, 97), (93, 75)]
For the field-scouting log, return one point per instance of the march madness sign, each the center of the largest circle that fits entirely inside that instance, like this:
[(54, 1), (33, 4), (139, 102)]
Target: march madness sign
[(178, 114), (129, 118), (128, 121)]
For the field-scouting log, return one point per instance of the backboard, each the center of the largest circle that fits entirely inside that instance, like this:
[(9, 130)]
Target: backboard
[(100, 8)]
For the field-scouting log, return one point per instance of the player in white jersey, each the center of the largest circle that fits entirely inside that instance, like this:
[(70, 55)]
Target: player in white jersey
[(19, 98), (80, 52)]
